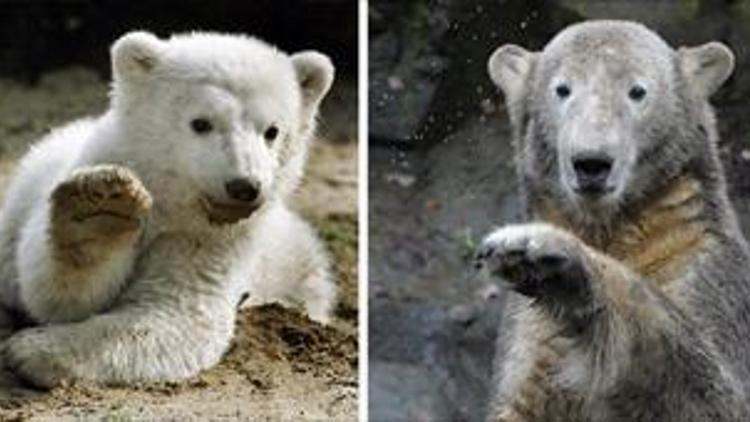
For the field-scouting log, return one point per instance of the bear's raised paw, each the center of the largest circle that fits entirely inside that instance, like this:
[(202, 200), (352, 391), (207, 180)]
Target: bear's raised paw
[(537, 260), (98, 203)]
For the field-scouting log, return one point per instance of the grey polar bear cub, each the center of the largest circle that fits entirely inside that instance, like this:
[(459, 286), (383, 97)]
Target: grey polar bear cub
[(632, 273), (128, 240)]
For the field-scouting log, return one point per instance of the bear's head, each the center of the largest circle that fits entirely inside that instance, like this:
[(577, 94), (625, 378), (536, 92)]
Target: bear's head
[(608, 113), (228, 115)]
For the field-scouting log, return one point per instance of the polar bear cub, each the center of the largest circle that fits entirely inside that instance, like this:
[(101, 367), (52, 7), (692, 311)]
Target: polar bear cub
[(128, 240)]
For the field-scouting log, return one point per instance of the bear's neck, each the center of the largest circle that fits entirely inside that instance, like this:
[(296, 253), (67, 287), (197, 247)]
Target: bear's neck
[(653, 238)]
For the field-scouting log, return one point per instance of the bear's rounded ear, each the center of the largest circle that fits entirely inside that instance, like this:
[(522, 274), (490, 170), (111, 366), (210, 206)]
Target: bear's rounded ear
[(706, 67), (510, 67), (315, 76), (136, 54)]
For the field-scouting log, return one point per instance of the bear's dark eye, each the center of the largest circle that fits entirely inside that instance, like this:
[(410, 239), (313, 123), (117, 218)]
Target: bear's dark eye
[(271, 133), (201, 125), (637, 93), (562, 91)]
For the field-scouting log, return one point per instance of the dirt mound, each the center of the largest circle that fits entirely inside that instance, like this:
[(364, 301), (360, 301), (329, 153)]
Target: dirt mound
[(285, 335)]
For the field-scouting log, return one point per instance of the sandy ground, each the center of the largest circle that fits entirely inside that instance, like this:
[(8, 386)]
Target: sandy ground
[(280, 366)]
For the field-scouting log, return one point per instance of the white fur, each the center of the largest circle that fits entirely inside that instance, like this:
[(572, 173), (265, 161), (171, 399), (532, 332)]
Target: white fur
[(164, 307)]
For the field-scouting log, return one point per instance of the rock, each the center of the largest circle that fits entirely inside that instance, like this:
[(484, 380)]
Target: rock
[(405, 66)]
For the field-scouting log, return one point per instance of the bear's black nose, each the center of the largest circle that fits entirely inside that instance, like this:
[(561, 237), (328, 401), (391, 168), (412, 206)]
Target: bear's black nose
[(592, 171), (241, 189)]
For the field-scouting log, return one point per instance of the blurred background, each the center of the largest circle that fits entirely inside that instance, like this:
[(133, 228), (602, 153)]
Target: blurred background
[(441, 176), (55, 67), (36, 35)]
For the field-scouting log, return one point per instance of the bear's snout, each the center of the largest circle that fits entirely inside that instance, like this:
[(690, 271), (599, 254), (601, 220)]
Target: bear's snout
[(592, 171), (243, 197), (243, 189)]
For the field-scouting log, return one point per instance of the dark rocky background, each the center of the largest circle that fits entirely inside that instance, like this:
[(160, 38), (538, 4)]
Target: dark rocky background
[(441, 176)]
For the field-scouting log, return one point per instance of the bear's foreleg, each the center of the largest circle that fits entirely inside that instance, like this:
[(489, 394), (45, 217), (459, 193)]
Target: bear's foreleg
[(76, 252), (615, 336), (159, 339), (175, 318), (293, 267)]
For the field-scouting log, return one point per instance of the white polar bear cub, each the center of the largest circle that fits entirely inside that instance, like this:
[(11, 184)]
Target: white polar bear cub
[(128, 240)]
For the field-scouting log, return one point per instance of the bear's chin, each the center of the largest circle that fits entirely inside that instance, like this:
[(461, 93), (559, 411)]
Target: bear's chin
[(226, 212)]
